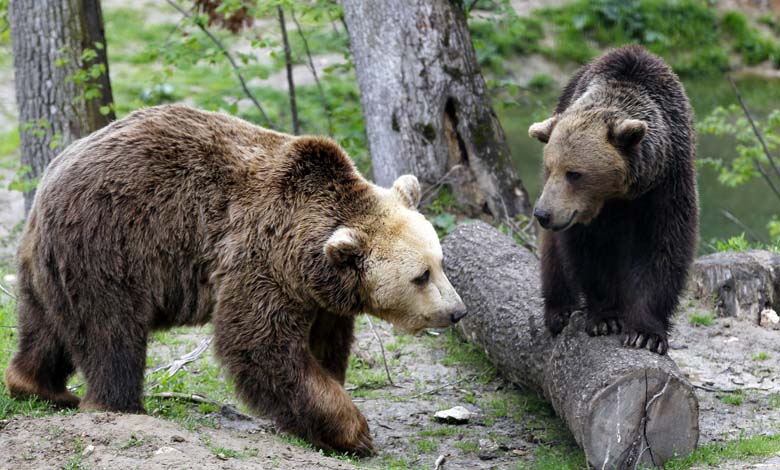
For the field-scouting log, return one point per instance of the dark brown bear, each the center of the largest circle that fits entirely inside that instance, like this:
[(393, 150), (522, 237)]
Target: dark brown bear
[(619, 198), (174, 216)]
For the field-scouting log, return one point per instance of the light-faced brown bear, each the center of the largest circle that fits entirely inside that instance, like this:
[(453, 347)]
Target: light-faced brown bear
[(174, 216), (619, 199)]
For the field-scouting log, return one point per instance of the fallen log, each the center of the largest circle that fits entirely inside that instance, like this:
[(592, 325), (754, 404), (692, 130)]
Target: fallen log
[(626, 408)]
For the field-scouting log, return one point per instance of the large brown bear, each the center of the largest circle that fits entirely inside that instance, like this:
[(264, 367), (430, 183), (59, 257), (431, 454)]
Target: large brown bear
[(619, 198), (174, 216)]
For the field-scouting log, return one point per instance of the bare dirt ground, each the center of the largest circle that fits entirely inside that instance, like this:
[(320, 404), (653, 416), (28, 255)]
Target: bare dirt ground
[(507, 431)]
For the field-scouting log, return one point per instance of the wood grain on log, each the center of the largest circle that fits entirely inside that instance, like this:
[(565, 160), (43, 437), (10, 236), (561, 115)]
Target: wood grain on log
[(625, 407)]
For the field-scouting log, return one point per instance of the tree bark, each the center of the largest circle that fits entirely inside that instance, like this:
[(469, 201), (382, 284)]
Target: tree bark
[(426, 105), (625, 407), (48, 38)]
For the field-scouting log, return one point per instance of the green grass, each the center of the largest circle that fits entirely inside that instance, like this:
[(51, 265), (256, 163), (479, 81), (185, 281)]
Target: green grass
[(467, 447), (426, 446), (742, 449), (761, 356), (74, 463), (733, 399), (774, 401), (702, 319)]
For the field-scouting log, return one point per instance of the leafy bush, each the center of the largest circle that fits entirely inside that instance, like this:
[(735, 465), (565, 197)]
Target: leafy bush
[(748, 41), (505, 36)]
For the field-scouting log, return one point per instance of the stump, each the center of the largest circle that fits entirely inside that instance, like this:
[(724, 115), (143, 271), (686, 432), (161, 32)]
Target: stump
[(625, 407), (739, 284)]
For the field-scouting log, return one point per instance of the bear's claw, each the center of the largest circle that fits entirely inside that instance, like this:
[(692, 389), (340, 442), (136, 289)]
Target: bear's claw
[(604, 327), (556, 320), (653, 342)]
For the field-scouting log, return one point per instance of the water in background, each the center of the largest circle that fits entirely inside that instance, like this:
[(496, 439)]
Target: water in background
[(753, 203)]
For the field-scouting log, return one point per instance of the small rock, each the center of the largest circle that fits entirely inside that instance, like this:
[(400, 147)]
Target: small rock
[(165, 450), (769, 319), (177, 438), (488, 450), (88, 450), (455, 415)]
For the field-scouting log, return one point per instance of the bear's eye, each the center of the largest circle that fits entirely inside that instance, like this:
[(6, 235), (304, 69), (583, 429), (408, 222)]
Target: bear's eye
[(422, 279), (573, 176)]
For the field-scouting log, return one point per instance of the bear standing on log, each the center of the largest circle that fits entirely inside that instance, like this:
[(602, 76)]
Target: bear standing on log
[(174, 216), (619, 199)]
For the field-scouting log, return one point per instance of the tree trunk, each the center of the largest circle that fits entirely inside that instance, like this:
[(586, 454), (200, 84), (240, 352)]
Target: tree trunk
[(625, 407), (58, 89), (425, 103)]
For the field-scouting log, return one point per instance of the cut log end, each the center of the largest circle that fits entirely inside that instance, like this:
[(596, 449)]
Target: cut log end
[(644, 418), (627, 408)]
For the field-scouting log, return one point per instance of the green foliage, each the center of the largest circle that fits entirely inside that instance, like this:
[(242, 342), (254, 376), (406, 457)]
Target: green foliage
[(733, 399), (742, 448), (760, 356), (702, 319), (5, 30), (541, 81), (555, 458), (441, 211), (730, 121), (748, 41), (684, 31), (9, 142), (504, 36)]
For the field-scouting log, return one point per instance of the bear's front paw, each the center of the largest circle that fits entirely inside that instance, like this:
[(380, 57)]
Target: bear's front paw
[(556, 319), (657, 343), (353, 435), (603, 326)]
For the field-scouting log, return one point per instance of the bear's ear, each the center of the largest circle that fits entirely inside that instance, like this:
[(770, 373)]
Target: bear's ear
[(344, 246), (628, 132), (542, 130), (408, 190)]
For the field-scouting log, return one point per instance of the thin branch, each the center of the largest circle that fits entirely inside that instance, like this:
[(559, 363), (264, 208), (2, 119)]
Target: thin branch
[(313, 70), (296, 125), (731, 217), (230, 59), (382, 347), (431, 191), (7, 291), (198, 398), (175, 366), (471, 6), (450, 384), (9, 326), (760, 138)]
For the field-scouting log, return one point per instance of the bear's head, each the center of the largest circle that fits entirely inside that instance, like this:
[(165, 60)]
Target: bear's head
[(399, 259), (585, 165)]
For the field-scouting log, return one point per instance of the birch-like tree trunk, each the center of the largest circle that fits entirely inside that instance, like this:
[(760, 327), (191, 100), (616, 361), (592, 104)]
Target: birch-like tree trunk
[(57, 103), (426, 105)]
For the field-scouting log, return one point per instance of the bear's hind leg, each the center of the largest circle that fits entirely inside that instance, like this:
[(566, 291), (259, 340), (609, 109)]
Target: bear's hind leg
[(113, 359), (42, 365)]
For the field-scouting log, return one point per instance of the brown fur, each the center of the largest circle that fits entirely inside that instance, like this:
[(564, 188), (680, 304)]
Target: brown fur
[(619, 198), (174, 216)]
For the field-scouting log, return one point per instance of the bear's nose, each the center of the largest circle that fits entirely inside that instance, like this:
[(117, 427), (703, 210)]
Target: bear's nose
[(459, 313), (542, 216)]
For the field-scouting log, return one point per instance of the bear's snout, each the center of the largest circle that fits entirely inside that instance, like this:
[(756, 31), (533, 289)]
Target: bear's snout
[(459, 312), (543, 216)]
